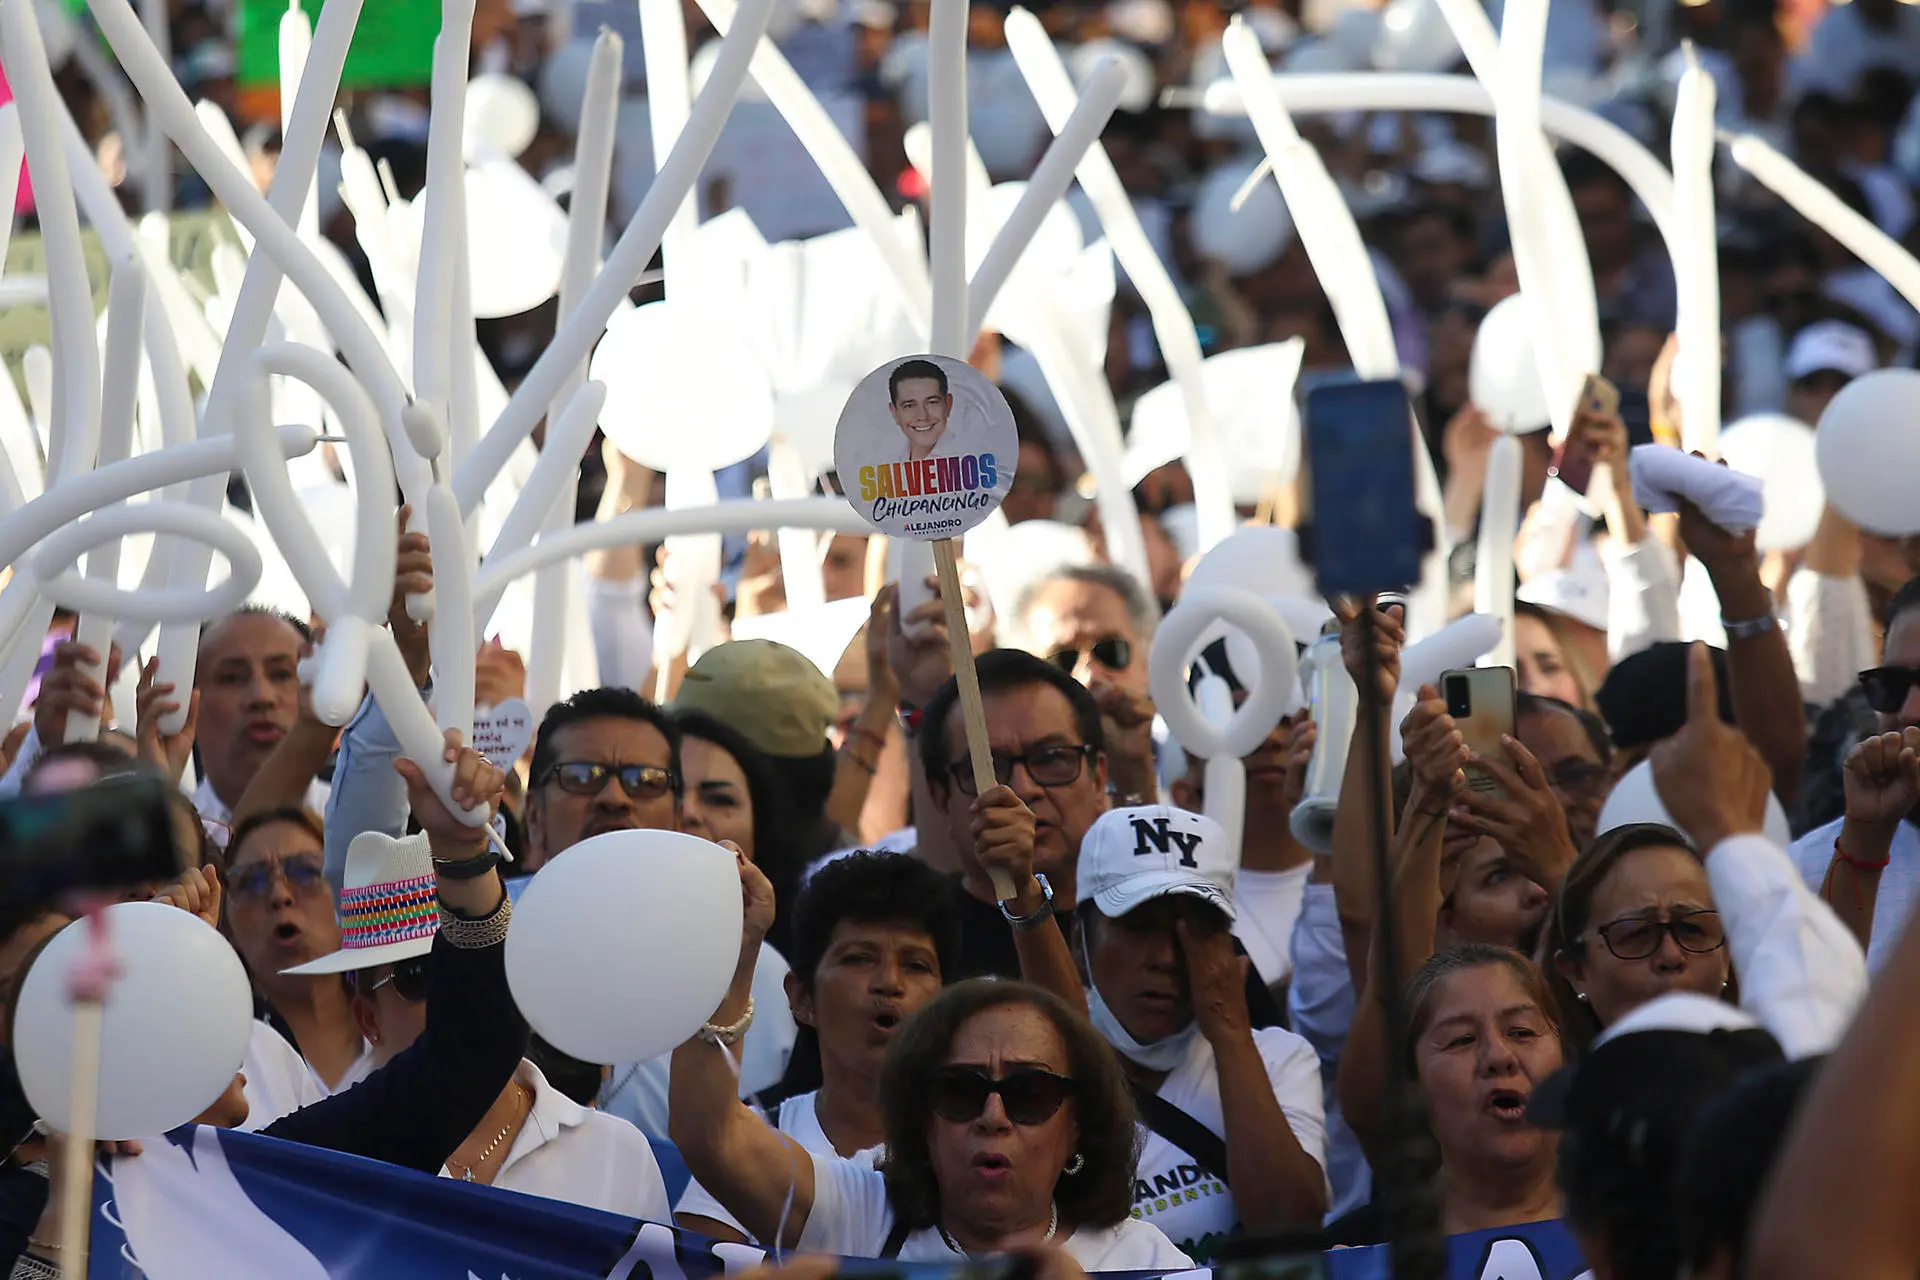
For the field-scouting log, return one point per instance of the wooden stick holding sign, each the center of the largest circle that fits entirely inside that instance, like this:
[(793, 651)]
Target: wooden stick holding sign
[(952, 470)]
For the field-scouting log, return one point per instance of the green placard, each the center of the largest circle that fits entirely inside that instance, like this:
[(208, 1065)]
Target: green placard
[(392, 44)]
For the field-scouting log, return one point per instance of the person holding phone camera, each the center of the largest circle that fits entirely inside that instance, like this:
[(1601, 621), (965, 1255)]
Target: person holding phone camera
[(1233, 1126)]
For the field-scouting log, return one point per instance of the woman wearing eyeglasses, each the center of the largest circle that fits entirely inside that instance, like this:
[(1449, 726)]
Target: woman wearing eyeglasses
[(280, 914), (1007, 1121)]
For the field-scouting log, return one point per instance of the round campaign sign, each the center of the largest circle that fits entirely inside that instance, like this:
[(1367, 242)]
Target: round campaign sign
[(925, 448)]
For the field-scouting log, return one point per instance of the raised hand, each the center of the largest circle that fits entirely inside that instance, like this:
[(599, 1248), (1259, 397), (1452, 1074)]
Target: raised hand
[(1528, 821), (67, 688), (917, 648), (1881, 781), (498, 674), (1389, 636), (476, 781), (412, 575), (1003, 840), (1217, 976), (1434, 747), (1711, 780), (196, 893), (154, 700)]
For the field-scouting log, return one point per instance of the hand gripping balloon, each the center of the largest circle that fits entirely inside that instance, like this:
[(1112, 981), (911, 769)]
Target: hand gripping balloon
[(1211, 727)]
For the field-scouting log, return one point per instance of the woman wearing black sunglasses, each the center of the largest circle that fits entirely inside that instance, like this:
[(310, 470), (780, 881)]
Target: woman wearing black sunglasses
[(1008, 1126)]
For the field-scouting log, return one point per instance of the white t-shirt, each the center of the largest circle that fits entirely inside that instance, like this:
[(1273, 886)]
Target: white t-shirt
[(1267, 903), (279, 1082), (1190, 1206), (1812, 853), (851, 1217), (798, 1119), (565, 1151)]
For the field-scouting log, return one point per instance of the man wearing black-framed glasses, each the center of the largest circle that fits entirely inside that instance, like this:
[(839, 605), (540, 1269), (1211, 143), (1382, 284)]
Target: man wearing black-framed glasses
[(1866, 864), (605, 760), (1048, 747)]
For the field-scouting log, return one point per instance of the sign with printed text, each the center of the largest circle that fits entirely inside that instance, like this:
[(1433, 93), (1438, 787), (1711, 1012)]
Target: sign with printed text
[(925, 448)]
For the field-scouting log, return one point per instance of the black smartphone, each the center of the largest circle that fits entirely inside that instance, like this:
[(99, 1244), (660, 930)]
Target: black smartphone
[(1366, 534), (115, 834)]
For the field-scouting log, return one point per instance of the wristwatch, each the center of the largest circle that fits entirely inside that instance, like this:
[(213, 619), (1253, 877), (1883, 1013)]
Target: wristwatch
[(1769, 621), (1040, 916)]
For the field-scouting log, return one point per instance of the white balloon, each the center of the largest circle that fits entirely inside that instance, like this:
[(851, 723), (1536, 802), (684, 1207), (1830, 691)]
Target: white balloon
[(501, 112), (1054, 248), (1266, 561), (1250, 392), (1868, 448), (624, 945), (1503, 378), (1780, 452), (516, 239), (679, 394), (1136, 92), (1634, 799), (174, 1028), (1245, 240), (1271, 694), (1414, 36)]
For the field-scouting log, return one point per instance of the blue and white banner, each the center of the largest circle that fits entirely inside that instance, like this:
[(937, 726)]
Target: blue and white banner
[(211, 1204)]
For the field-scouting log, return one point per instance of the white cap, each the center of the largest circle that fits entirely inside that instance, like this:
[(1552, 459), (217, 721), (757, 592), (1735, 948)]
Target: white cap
[(1132, 856), (1831, 344), (1579, 591), (1680, 1011)]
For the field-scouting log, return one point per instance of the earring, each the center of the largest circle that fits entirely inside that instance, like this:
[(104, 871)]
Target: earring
[(1075, 1165), (1581, 996)]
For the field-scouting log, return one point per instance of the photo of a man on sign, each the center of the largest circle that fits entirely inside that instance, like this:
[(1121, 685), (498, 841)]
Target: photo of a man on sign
[(960, 447), (918, 398)]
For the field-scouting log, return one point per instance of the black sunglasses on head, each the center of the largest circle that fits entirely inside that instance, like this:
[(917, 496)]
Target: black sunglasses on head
[(1887, 688), (409, 979), (1113, 652), (1029, 1096), (588, 777)]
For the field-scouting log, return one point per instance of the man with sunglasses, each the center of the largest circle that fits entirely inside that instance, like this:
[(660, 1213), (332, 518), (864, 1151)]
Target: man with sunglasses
[(605, 760), (1095, 622), (1867, 863)]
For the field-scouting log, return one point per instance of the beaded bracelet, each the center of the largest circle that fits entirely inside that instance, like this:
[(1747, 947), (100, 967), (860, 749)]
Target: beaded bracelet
[(489, 930)]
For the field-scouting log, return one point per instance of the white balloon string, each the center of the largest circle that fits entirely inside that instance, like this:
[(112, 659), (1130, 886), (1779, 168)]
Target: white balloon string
[(13, 152), (551, 481), (1499, 521), (1696, 371), (947, 119)]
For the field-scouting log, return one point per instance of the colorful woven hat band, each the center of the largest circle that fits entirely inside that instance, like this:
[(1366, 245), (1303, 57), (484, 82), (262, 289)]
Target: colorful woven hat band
[(396, 911)]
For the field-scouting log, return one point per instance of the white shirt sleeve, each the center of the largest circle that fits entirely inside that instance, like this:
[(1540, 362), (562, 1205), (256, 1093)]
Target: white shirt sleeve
[(1643, 595), (850, 1216), (697, 1200), (1829, 632), (622, 635), (16, 774), (1801, 971), (1293, 1068)]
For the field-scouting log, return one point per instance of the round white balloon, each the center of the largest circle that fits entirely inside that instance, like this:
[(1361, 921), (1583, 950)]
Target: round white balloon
[(502, 112), (1136, 91), (174, 1028), (678, 394), (1247, 239), (1634, 799), (623, 946), (1413, 36), (1502, 376), (1779, 452), (1868, 448), (516, 240)]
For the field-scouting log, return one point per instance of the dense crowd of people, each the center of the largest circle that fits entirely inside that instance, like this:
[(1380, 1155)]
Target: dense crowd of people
[(1685, 1036)]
